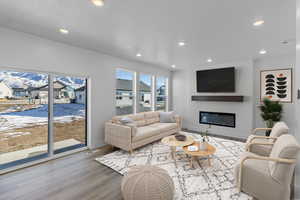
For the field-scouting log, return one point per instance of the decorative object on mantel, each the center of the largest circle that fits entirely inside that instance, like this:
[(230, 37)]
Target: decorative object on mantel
[(276, 85), (271, 112)]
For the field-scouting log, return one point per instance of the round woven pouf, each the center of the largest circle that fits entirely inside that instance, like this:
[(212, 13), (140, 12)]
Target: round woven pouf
[(147, 183)]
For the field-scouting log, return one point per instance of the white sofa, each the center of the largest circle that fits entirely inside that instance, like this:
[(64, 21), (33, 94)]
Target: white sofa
[(145, 129)]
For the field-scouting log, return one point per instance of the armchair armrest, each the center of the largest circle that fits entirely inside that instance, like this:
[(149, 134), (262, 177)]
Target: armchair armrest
[(178, 120), (280, 160), (260, 129), (119, 135), (258, 143), (262, 137)]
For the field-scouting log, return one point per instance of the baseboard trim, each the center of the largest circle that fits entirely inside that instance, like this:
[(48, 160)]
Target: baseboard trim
[(218, 136)]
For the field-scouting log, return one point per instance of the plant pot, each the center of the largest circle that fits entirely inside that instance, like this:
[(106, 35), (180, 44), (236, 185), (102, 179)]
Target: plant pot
[(269, 124)]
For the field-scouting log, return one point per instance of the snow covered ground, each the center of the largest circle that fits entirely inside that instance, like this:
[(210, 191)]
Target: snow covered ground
[(63, 113)]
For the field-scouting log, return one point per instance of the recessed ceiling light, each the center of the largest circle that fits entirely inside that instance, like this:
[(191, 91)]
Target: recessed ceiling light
[(138, 55), (63, 31), (98, 2), (182, 43), (209, 60), (173, 66), (258, 23), (262, 51)]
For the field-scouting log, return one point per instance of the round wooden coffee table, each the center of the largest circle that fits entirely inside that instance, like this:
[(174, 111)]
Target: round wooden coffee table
[(195, 155), (173, 143)]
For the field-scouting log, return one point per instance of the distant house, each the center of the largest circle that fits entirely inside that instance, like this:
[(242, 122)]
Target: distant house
[(69, 92), (124, 92), (42, 92), (5, 91), (19, 92), (80, 95)]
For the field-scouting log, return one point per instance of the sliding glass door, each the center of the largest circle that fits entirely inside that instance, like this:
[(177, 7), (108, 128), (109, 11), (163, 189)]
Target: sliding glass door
[(40, 115), (23, 117), (69, 113)]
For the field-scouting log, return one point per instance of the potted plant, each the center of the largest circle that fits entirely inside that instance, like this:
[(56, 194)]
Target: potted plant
[(271, 112)]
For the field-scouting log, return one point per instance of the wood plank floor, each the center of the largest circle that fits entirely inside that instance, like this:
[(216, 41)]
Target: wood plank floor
[(73, 177)]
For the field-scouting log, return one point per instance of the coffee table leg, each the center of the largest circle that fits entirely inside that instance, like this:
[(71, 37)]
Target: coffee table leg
[(173, 154), (209, 161), (173, 151), (191, 162), (197, 158)]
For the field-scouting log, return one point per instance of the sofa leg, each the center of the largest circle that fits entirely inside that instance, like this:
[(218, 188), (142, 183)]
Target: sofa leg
[(131, 151)]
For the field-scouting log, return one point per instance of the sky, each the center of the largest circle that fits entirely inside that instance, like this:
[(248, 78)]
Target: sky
[(127, 75)]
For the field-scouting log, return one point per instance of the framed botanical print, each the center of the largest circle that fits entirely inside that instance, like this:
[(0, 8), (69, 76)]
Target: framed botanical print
[(277, 85)]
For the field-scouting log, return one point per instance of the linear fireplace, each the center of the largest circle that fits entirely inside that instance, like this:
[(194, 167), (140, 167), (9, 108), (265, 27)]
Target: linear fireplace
[(217, 118)]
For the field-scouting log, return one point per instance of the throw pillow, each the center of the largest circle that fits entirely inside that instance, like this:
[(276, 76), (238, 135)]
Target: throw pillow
[(126, 120), (167, 117)]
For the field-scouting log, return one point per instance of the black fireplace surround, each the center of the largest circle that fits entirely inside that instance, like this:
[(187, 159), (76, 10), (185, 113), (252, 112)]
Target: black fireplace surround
[(217, 118)]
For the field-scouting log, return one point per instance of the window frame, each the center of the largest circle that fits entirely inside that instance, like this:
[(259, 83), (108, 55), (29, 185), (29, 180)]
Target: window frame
[(165, 96), (139, 92), (136, 91), (49, 155), (132, 94)]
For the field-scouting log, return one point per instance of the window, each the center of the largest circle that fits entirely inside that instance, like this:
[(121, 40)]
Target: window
[(161, 94), (145, 93), (24, 122), (140, 92), (69, 113), (124, 92), (34, 125)]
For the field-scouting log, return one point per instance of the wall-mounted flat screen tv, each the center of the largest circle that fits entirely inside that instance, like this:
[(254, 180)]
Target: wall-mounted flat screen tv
[(216, 80)]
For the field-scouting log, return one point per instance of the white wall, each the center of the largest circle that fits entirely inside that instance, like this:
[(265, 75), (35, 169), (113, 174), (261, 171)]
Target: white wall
[(28, 52), (297, 102), (186, 81), (267, 63)]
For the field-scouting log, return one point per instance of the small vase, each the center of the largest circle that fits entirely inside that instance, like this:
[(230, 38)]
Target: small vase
[(203, 146)]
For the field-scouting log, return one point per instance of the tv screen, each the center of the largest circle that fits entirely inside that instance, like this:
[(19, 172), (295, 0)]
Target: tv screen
[(216, 80)]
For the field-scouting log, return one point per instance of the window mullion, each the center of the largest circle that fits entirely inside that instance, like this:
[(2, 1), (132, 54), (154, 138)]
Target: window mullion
[(153, 93), (135, 92), (50, 116)]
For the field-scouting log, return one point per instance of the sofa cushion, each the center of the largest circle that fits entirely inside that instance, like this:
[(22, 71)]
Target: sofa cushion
[(126, 120), (163, 127), (167, 117), (145, 132), (139, 119), (279, 129), (151, 117)]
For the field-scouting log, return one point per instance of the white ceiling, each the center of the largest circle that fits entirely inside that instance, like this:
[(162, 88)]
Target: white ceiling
[(220, 29)]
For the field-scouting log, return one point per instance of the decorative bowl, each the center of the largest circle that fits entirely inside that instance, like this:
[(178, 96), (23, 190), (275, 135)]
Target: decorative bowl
[(180, 137)]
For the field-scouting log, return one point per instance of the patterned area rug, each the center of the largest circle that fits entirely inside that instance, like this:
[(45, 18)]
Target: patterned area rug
[(204, 182)]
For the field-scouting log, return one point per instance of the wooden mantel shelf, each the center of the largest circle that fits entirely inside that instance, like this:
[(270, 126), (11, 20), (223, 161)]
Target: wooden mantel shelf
[(218, 98)]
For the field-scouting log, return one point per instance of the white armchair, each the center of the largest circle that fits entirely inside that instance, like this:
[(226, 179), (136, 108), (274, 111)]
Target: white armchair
[(269, 177), (262, 145)]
